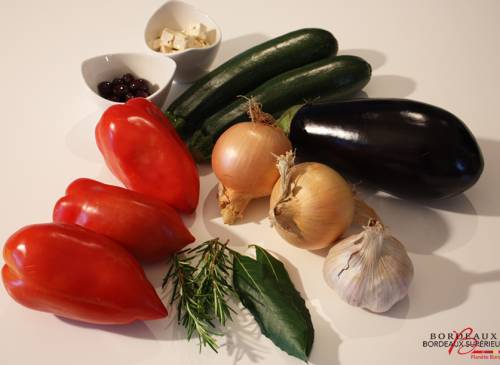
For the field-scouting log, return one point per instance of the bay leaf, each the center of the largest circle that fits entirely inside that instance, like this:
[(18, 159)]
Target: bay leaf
[(265, 289)]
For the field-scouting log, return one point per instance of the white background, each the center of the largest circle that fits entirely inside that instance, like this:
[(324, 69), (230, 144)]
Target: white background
[(442, 52)]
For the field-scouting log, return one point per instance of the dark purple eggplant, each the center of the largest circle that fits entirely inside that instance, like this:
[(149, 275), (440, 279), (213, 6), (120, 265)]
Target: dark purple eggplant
[(404, 147)]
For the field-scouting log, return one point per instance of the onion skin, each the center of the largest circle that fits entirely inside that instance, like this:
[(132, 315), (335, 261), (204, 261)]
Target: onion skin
[(244, 160), (319, 209)]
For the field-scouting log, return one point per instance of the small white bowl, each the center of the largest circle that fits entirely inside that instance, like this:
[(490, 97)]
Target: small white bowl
[(159, 71), (192, 63)]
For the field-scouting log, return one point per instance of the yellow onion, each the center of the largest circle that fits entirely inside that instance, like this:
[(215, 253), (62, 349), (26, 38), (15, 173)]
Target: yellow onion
[(311, 204), (244, 160)]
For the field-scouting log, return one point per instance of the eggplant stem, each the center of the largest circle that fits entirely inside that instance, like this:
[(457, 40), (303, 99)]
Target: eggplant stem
[(285, 120)]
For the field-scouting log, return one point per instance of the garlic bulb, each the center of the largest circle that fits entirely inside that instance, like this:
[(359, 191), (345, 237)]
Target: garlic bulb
[(370, 270)]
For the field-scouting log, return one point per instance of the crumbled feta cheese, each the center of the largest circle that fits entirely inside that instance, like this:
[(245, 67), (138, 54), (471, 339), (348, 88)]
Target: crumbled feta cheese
[(182, 42), (197, 30), (165, 49), (167, 38), (197, 43), (195, 36), (155, 44)]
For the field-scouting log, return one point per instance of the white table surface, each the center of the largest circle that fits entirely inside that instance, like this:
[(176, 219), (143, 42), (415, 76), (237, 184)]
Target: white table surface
[(442, 52)]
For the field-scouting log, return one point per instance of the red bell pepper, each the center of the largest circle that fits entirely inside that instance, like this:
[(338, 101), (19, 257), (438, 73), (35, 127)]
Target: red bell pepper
[(147, 227), (142, 149), (78, 274)]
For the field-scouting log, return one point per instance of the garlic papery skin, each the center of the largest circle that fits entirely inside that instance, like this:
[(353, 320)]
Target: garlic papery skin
[(311, 205), (371, 269)]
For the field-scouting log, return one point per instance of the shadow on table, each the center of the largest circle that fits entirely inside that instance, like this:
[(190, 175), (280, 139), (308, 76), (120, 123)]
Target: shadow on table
[(421, 229), (256, 212), (175, 90), (390, 86), (439, 285), (204, 169), (376, 59), (242, 337), (326, 339), (483, 198), (234, 46), (136, 329)]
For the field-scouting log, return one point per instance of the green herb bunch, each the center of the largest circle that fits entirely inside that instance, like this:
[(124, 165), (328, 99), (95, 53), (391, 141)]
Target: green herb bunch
[(204, 278), (201, 286)]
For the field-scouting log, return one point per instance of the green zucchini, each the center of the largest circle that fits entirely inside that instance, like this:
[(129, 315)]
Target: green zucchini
[(245, 72), (331, 78)]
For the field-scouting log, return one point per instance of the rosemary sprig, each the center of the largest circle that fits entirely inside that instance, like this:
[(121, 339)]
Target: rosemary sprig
[(202, 285)]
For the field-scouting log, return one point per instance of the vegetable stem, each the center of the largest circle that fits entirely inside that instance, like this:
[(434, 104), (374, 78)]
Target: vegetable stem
[(256, 114), (284, 122)]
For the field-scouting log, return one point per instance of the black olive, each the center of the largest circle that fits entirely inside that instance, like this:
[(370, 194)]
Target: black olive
[(141, 94), (105, 89), (128, 78), (117, 81), (120, 90), (143, 84), (129, 96), (134, 86), (114, 98)]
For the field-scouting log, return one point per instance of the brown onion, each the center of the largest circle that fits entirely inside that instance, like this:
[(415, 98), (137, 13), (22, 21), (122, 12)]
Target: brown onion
[(311, 205), (244, 160)]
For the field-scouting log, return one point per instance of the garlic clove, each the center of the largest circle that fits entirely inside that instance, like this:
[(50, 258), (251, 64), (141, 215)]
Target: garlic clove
[(370, 270)]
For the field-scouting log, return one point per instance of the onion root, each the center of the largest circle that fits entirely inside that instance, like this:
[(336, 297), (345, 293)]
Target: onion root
[(231, 203)]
